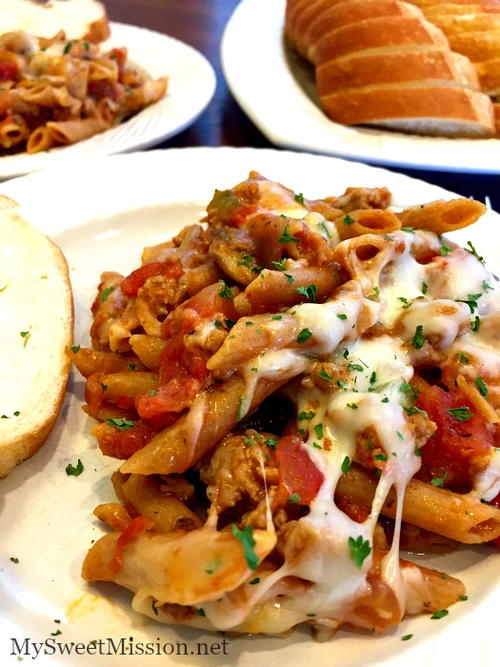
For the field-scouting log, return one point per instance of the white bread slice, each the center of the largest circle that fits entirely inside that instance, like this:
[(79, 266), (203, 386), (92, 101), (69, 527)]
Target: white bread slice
[(434, 110), (488, 73), (430, 3), (451, 9), (300, 15), (378, 33), (356, 71), (36, 311), (478, 46), (496, 112), (348, 12), (80, 19), (452, 25)]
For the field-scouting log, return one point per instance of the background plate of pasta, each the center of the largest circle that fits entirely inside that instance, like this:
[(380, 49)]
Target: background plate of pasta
[(61, 98), (290, 424)]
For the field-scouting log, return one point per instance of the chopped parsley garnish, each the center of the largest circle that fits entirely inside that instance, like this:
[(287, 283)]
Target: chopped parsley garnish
[(375, 295), (424, 288), (418, 339), (75, 348), (462, 358), (373, 377), (306, 415), (229, 323), (120, 424), (104, 387), (218, 324), (388, 238), (405, 638), (411, 230), (474, 252), (280, 266), (241, 408), (200, 612), (248, 323), (246, 538), (294, 498), (471, 301), (68, 46), (317, 445), (309, 292), (475, 324), (254, 581), (23, 334), (464, 598), (346, 465), (444, 249), (348, 220), (439, 481), (56, 633), (286, 237), (353, 406), (342, 384), (322, 226), (318, 429), (345, 353), (311, 614), (74, 470), (105, 293), (342, 316), (355, 367), (440, 614), (485, 286), (400, 435), (324, 375), (225, 291), (360, 549), (271, 442), (153, 392), (246, 260), (381, 457), (418, 452), (132, 367), (385, 400), (14, 559), (481, 385), (413, 410), (289, 278), (277, 317), (304, 336), (299, 198), (460, 414)]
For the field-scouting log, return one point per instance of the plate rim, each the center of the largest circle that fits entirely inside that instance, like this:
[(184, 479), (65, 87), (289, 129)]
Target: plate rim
[(35, 182)]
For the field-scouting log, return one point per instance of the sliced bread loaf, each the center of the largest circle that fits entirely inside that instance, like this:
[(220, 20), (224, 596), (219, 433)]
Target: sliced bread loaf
[(356, 71), (408, 33), (415, 107)]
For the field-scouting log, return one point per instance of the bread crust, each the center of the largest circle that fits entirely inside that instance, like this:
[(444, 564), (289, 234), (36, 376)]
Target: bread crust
[(26, 435)]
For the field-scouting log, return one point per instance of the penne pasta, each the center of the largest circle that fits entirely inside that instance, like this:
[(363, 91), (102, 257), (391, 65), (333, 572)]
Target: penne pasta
[(296, 390)]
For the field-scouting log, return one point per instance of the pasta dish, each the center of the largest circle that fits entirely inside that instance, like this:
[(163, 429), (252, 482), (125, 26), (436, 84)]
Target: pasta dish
[(297, 389), (55, 92)]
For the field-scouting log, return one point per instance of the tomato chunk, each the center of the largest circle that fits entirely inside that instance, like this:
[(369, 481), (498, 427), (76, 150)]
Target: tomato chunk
[(122, 444), (131, 284), (297, 473), (462, 444), (8, 71)]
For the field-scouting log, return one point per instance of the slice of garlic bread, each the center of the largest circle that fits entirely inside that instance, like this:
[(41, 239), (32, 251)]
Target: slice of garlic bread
[(36, 324)]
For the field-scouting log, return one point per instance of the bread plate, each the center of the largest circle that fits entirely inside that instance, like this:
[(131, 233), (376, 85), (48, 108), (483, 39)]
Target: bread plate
[(276, 89), (190, 89), (46, 516)]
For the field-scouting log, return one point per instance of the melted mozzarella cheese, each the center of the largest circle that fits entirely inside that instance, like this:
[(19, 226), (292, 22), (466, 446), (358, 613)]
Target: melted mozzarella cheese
[(487, 483)]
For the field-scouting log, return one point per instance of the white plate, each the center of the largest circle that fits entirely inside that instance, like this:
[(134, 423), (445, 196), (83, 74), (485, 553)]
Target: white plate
[(190, 89), (275, 87), (45, 517)]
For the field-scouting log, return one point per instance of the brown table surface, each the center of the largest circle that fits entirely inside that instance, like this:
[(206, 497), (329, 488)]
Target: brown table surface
[(201, 23)]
